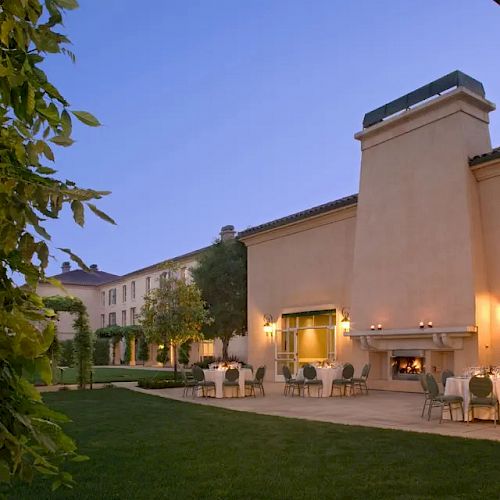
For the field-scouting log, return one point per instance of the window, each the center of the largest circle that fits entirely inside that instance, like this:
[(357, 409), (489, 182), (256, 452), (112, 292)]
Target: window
[(132, 290), (112, 319), (103, 319), (112, 296), (124, 293), (148, 284), (132, 315), (207, 349), (124, 318), (103, 298)]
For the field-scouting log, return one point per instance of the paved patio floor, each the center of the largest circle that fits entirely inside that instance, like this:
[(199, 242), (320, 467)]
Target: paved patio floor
[(387, 410)]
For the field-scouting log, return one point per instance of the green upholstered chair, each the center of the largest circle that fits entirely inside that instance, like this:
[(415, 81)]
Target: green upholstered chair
[(345, 381), (290, 382), (481, 395), (311, 379), (360, 382), (205, 385), (427, 396), (445, 376), (440, 400), (257, 381), (232, 379), (188, 381)]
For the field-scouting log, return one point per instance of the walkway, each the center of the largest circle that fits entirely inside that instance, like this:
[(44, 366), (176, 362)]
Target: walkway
[(386, 410)]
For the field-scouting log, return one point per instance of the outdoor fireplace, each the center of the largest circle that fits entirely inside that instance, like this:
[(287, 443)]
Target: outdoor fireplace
[(407, 364)]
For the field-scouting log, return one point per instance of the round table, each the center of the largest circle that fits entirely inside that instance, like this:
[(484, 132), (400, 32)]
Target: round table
[(326, 375), (218, 376), (459, 386)]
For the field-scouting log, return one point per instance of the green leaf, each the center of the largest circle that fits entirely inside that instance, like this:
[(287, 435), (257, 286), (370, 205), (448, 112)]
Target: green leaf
[(62, 140), (75, 258), (67, 4), (43, 369), (87, 118), (66, 123), (78, 215), (101, 214)]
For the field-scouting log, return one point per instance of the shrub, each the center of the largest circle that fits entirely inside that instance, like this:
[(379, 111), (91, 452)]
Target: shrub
[(101, 352), (158, 383), (162, 355), (66, 353), (184, 351)]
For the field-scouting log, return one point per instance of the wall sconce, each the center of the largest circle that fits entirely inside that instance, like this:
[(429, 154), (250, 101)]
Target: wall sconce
[(421, 324), (345, 323), (379, 326), (372, 327), (429, 324), (269, 326)]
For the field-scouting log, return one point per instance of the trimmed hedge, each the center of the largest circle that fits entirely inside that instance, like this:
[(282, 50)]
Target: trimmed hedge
[(66, 353), (101, 352), (158, 383)]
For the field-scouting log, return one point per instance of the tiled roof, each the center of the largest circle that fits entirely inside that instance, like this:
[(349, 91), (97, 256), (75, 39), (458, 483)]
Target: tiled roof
[(79, 277), (305, 214), (491, 155)]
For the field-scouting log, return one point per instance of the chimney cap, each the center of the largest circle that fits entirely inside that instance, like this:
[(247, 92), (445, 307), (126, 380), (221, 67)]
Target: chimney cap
[(229, 227), (66, 266), (94, 267)]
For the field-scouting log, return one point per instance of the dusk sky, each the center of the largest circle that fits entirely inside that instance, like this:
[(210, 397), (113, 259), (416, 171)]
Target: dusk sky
[(240, 111)]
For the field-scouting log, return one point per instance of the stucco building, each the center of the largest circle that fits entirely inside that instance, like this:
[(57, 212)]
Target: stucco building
[(413, 258)]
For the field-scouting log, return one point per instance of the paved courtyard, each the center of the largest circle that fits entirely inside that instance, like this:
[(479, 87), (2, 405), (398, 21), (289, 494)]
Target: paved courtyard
[(383, 409)]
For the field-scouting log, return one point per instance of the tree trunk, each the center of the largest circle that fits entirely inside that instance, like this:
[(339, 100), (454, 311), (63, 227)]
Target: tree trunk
[(175, 355), (225, 346)]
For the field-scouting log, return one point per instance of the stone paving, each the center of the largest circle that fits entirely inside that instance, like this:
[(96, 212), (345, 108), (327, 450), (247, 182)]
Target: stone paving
[(383, 409)]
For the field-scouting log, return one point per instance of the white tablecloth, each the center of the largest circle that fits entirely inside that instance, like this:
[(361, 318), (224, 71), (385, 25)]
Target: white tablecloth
[(458, 386), (326, 375), (218, 376)]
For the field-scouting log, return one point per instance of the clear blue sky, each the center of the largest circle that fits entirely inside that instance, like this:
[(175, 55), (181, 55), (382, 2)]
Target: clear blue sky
[(241, 111)]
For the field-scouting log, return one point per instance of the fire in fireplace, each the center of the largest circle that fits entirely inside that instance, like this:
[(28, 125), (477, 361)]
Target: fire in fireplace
[(407, 364)]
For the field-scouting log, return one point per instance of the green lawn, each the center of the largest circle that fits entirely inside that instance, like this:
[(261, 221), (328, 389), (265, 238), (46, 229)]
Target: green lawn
[(145, 447), (103, 375)]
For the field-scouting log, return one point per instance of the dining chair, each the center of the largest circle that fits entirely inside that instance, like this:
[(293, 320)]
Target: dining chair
[(189, 382), (481, 395), (427, 396), (445, 376), (361, 381), (201, 383), (345, 381), (290, 382), (257, 381), (311, 379), (232, 379), (441, 400)]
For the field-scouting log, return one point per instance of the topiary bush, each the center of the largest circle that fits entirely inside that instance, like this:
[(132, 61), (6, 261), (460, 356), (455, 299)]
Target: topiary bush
[(101, 352)]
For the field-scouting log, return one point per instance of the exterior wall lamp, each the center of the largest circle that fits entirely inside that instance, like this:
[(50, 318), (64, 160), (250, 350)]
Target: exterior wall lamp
[(345, 322), (269, 325)]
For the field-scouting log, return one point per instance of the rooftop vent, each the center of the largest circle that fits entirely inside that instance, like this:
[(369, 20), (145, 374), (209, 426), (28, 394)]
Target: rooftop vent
[(66, 267), (454, 79), (93, 267)]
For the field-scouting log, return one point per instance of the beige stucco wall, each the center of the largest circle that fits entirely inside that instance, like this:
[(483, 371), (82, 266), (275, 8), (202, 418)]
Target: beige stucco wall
[(89, 297), (304, 266)]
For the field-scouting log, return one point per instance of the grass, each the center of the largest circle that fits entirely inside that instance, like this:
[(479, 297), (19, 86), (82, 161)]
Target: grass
[(145, 447), (104, 375)]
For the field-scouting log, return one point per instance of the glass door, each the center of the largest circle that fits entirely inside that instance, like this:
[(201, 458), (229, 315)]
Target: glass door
[(286, 349)]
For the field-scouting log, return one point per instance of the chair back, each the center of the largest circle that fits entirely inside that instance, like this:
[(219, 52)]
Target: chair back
[(309, 372), (446, 375), (260, 373), (198, 374), (432, 385), (423, 382), (348, 371), (286, 373), (366, 371), (480, 387), (232, 374)]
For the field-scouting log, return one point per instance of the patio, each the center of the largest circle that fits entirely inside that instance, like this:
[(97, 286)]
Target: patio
[(382, 409)]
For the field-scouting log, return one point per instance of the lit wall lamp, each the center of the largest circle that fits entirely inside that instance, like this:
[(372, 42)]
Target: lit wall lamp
[(269, 326), (345, 323)]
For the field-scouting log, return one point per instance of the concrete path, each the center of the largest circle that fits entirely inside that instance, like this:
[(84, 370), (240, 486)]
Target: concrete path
[(383, 409)]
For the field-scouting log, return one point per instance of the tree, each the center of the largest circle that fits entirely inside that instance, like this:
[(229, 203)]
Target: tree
[(174, 312), (221, 275), (34, 117)]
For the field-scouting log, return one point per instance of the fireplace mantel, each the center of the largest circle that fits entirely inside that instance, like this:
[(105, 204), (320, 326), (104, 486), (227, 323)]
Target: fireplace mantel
[(440, 336)]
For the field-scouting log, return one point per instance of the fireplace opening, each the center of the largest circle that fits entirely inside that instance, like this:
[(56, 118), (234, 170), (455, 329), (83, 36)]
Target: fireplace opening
[(407, 364)]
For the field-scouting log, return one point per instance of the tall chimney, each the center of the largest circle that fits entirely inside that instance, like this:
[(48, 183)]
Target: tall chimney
[(227, 233), (66, 267)]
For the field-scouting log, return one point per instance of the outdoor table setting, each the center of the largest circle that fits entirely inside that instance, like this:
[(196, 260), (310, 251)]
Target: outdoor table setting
[(217, 373), (459, 386), (327, 373)]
